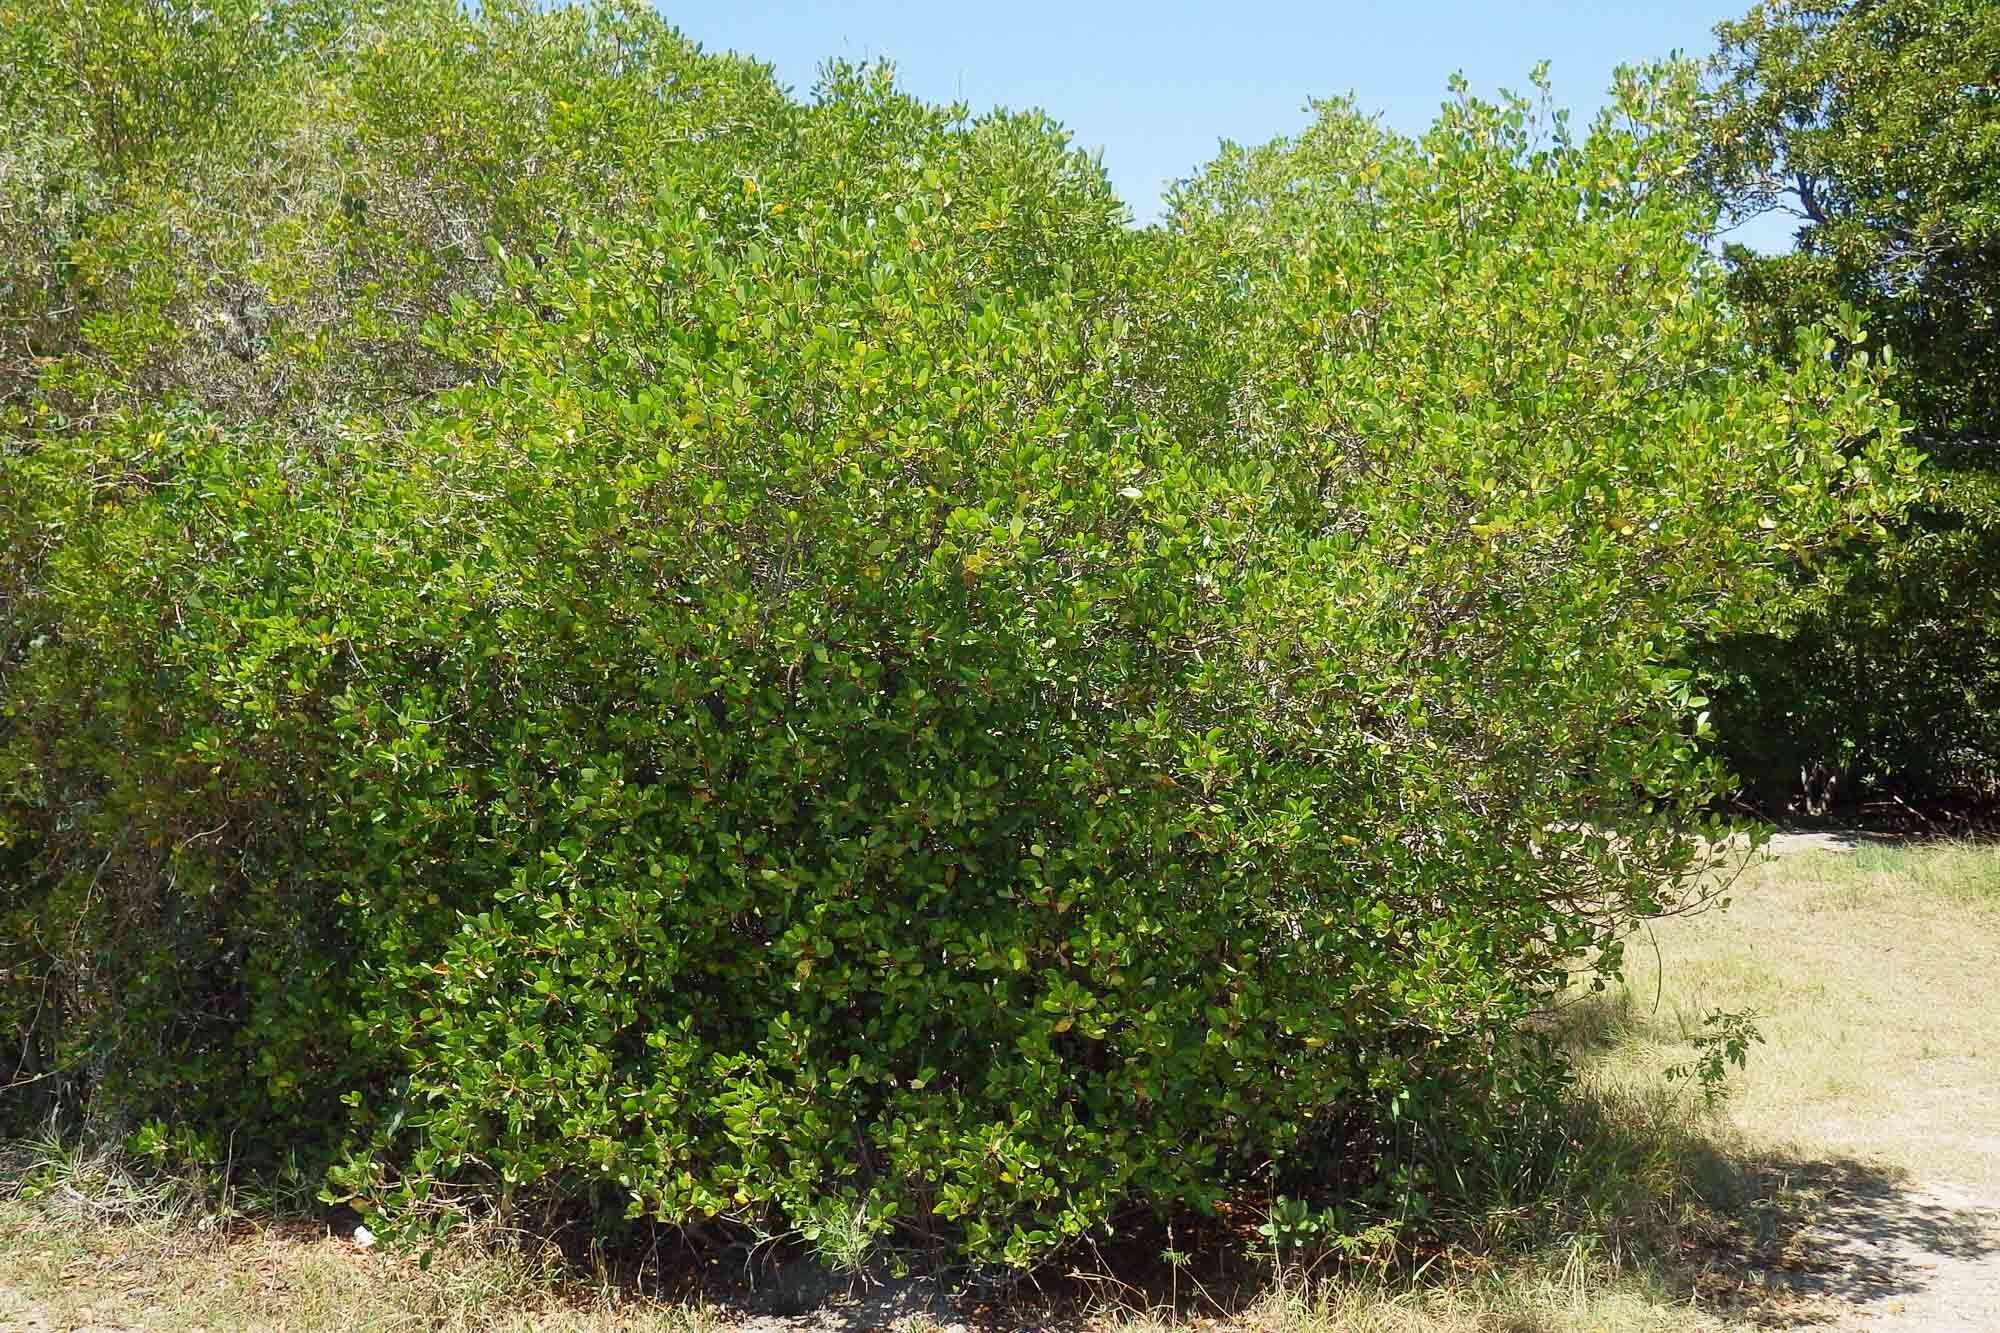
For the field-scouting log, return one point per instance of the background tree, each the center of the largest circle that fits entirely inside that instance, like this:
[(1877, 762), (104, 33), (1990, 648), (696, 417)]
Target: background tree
[(1876, 124)]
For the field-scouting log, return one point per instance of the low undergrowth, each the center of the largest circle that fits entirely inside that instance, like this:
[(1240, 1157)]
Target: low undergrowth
[(1637, 1207), (1601, 1221)]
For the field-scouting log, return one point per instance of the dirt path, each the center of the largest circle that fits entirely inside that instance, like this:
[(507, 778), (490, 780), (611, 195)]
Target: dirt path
[(1909, 1250), (1791, 844), (1922, 1258)]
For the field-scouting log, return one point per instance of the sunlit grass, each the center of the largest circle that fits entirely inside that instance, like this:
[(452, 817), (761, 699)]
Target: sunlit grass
[(185, 1275), (1870, 974)]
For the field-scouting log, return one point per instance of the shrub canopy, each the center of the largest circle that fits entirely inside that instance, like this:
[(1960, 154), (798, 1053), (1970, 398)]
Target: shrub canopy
[(579, 630)]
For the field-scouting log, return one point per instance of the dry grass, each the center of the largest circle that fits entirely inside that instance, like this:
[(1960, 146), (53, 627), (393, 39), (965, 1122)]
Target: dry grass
[(186, 1275), (186, 1278), (1574, 1299), (1869, 973)]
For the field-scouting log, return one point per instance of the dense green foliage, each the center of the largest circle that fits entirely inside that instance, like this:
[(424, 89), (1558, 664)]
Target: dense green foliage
[(580, 631), (1877, 125), (1889, 687)]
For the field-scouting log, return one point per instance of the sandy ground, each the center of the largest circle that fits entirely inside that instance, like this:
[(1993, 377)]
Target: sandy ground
[(1919, 1258)]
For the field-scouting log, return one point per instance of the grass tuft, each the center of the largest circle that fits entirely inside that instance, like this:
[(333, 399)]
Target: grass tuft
[(74, 1184)]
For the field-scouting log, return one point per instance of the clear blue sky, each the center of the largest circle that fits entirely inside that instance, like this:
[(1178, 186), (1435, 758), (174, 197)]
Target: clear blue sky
[(1155, 86)]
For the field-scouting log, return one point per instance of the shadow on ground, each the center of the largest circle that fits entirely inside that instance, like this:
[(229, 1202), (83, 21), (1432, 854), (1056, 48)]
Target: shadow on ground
[(1775, 1241), (1813, 1243)]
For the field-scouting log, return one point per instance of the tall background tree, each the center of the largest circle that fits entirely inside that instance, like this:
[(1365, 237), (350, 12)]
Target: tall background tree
[(1876, 124)]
